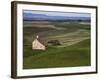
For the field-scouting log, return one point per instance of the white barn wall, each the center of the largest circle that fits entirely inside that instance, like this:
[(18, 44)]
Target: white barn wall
[(36, 44)]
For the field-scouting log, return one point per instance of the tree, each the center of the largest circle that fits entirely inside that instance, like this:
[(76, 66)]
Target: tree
[(54, 42)]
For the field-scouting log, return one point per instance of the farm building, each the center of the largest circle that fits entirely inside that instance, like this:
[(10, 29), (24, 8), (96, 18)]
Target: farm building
[(38, 45)]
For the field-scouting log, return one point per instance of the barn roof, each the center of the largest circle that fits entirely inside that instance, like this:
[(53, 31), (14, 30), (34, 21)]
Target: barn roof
[(42, 41)]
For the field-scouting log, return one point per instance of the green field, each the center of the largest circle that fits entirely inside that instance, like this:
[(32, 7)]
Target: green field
[(73, 51)]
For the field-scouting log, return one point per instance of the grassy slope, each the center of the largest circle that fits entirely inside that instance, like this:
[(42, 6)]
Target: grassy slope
[(75, 55), (74, 51)]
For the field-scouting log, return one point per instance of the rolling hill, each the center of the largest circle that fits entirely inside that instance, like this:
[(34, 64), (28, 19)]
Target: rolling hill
[(73, 51), (33, 16)]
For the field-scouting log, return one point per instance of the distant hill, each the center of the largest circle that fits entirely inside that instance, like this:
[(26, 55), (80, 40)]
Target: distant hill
[(31, 16)]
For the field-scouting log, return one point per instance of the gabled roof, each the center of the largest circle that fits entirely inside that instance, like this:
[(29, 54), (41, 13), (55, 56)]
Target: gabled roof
[(41, 41)]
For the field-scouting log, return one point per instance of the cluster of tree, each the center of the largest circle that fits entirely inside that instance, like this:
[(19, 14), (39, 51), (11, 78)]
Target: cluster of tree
[(54, 42)]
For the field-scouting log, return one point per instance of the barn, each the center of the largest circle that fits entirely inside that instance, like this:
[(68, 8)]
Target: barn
[(38, 45)]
